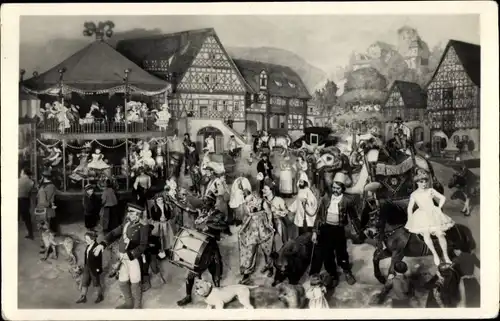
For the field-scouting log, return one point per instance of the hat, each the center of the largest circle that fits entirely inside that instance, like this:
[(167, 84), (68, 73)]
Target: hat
[(420, 174), (134, 208), (73, 108), (260, 176), (303, 177), (47, 173), (340, 177), (88, 187), (315, 280), (92, 234), (269, 183), (398, 120), (400, 267)]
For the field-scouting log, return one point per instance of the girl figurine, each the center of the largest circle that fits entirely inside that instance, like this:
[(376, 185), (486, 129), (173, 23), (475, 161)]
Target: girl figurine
[(163, 117), (98, 160), (119, 114), (316, 293), (147, 156), (428, 218), (159, 156)]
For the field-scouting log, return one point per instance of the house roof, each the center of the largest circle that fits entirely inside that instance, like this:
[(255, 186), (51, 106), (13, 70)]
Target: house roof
[(413, 95), (179, 48), (97, 67), (469, 55), (281, 79), (384, 45)]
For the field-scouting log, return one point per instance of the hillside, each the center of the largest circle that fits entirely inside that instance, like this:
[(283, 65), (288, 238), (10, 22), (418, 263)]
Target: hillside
[(311, 75), (43, 56)]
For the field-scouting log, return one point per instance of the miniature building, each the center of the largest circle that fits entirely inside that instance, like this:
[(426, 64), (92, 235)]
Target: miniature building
[(453, 96)]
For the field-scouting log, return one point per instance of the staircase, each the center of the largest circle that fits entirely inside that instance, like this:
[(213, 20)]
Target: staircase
[(197, 124)]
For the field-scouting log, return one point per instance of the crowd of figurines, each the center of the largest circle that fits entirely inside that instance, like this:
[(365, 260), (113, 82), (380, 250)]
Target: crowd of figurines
[(63, 116), (308, 233)]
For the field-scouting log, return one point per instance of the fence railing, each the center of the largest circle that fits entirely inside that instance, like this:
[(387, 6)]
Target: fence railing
[(98, 125)]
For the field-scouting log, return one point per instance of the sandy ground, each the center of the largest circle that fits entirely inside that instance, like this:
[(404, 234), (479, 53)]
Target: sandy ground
[(50, 285)]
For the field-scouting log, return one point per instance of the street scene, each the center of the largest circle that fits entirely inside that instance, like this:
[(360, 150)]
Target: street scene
[(167, 165)]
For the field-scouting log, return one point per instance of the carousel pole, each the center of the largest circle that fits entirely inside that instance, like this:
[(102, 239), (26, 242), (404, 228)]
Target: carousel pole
[(127, 71), (64, 163)]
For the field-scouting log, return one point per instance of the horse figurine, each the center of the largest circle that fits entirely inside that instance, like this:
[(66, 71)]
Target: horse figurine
[(280, 141)]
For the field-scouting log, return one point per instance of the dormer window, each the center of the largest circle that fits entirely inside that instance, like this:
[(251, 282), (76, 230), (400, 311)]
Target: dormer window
[(291, 84), (263, 79), (184, 50), (279, 84)]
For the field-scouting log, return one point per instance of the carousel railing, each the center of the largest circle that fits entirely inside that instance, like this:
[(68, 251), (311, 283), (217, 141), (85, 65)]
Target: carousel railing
[(117, 175), (100, 125)]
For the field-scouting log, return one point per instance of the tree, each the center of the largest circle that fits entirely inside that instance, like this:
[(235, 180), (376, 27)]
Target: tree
[(326, 97)]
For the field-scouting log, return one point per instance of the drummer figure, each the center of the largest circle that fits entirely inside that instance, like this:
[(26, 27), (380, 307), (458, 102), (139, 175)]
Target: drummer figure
[(210, 222)]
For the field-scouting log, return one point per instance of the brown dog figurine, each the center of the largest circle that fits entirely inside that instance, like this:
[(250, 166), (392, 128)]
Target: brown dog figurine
[(52, 241)]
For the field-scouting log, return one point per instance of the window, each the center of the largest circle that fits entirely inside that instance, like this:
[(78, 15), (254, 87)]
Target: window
[(314, 139), (224, 105), (207, 79), (203, 111), (214, 78), (278, 83), (447, 97), (236, 106), (263, 79), (291, 84), (214, 105)]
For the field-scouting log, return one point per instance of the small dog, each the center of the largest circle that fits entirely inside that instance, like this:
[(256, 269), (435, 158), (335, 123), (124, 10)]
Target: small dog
[(218, 297), (51, 241)]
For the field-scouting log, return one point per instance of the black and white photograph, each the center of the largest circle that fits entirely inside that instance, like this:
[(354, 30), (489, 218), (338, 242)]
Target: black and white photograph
[(270, 160)]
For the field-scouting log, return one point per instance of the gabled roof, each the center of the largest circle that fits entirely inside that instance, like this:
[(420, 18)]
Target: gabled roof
[(98, 67), (384, 45), (412, 94), (469, 55), (179, 48), (281, 79)]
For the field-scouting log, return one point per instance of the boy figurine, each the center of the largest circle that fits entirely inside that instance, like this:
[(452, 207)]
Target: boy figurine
[(92, 268), (400, 287)]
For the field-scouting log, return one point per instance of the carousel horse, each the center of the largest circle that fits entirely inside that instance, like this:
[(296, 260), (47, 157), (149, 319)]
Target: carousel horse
[(467, 185)]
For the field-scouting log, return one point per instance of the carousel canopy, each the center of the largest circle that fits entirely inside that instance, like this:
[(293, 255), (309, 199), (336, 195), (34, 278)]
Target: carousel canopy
[(96, 69)]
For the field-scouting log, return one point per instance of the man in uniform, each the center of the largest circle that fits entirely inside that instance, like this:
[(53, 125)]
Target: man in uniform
[(133, 241), (335, 209)]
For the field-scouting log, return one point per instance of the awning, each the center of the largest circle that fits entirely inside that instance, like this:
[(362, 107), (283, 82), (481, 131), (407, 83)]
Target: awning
[(96, 69)]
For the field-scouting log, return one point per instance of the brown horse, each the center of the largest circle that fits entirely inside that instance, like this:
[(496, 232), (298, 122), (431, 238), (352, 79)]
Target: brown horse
[(399, 242)]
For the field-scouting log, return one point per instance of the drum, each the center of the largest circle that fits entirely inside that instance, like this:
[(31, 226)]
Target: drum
[(189, 247)]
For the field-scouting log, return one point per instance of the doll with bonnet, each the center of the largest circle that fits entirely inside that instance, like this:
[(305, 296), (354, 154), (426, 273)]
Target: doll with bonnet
[(316, 293)]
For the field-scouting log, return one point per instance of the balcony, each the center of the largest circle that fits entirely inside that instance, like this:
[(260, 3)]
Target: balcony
[(99, 128)]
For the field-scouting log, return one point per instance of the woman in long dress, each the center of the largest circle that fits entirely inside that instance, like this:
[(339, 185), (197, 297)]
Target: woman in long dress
[(428, 218), (161, 215), (286, 178)]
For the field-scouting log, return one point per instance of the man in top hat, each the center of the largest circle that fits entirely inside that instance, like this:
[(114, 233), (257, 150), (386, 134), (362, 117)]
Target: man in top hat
[(335, 209), (265, 169), (133, 241), (402, 133), (91, 207)]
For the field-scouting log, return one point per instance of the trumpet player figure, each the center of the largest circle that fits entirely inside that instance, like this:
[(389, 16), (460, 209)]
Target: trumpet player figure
[(133, 241)]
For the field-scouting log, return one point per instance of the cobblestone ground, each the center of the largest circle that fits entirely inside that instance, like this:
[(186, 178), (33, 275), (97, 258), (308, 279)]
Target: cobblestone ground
[(50, 285)]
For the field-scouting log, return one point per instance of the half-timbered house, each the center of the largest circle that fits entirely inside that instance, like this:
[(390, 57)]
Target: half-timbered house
[(206, 85), (453, 98), (278, 99), (408, 101), (212, 94)]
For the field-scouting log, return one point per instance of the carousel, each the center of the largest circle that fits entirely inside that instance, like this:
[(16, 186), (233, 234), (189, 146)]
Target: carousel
[(95, 124)]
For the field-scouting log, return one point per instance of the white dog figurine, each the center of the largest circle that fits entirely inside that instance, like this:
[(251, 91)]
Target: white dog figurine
[(218, 297)]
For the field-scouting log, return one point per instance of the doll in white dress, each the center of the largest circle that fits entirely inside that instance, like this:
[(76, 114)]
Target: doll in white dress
[(147, 156), (428, 218), (98, 160), (163, 117), (210, 144), (316, 293)]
